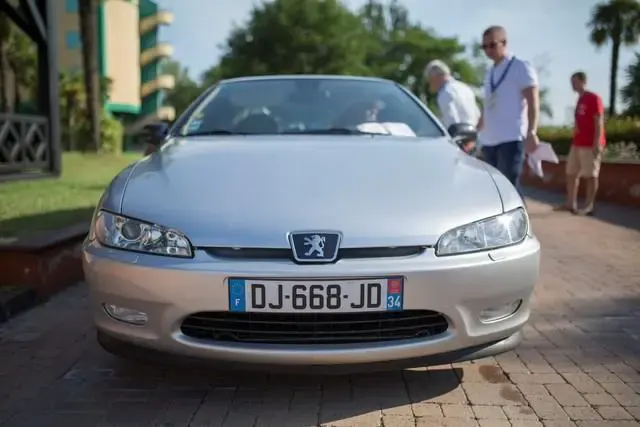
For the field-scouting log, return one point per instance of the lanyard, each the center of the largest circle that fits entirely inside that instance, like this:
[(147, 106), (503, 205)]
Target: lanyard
[(495, 86)]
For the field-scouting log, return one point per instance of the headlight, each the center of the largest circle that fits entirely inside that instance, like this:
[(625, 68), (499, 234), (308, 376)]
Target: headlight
[(499, 231), (120, 232)]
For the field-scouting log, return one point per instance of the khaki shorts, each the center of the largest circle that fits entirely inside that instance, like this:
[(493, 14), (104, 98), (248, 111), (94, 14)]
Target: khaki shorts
[(583, 163)]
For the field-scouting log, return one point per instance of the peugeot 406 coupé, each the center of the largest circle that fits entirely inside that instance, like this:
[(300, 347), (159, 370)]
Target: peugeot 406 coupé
[(310, 221)]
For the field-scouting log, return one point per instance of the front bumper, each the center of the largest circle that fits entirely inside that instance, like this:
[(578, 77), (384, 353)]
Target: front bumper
[(460, 287)]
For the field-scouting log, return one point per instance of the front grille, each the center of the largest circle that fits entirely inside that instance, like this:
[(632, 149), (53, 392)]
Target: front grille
[(346, 253), (313, 328)]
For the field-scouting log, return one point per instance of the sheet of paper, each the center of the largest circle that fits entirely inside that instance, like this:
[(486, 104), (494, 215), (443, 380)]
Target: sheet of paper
[(544, 153), (387, 128)]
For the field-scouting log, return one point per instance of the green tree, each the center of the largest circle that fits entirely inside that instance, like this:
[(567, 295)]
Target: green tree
[(88, 16), (211, 76), (23, 60), (18, 65), (324, 36), (541, 64), (293, 37), (617, 22), (185, 89), (72, 102), (631, 90), (399, 49), (75, 125)]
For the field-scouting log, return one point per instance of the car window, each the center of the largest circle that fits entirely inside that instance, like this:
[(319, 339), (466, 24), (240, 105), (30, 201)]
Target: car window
[(308, 105)]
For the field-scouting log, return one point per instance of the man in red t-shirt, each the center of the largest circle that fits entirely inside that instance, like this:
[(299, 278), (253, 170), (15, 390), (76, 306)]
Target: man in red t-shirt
[(588, 145)]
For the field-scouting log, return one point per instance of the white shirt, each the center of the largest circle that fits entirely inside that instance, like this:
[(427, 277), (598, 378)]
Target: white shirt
[(505, 111), (457, 104)]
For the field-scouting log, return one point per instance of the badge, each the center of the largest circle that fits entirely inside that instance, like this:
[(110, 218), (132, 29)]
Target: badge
[(491, 101)]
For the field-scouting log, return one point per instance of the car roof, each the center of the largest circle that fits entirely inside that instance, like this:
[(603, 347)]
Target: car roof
[(305, 77)]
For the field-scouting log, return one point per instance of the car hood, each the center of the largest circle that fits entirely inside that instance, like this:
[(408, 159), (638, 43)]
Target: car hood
[(251, 191)]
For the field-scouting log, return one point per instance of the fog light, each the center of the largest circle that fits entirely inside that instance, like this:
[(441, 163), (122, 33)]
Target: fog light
[(127, 315), (492, 314)]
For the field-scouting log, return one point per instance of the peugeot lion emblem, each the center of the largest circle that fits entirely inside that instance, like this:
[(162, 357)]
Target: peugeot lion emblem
[(315, 246)]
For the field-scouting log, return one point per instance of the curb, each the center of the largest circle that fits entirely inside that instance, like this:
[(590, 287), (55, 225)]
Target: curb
[(15, 300), (20, 292)]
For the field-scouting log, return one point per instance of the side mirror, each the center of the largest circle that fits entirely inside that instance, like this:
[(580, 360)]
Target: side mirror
[(464, 135), (155, 133), (463, 131)]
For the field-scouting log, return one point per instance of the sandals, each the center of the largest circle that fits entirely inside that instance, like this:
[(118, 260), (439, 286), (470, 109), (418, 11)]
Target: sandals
[(580, 212), (585, 212), (564, 208)]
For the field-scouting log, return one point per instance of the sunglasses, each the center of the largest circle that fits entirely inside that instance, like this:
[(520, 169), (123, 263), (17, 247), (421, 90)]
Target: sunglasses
[(491, 45)]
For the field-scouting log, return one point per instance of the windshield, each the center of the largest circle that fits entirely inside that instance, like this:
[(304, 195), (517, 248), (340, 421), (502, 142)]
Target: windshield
[(308, 106)]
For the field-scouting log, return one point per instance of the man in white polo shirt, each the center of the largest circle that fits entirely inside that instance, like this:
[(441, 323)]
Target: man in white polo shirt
[(511, 107), (456, 100)]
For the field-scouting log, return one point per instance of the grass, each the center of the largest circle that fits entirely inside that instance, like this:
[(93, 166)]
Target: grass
[(34, 206)]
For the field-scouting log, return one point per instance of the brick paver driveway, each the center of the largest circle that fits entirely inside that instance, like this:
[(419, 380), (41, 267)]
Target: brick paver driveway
[(579, 365)]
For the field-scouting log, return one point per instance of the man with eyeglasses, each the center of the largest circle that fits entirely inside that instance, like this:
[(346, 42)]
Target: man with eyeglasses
[(511, 107)]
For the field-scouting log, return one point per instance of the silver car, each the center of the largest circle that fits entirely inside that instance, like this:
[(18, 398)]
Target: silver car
[(313, 222)]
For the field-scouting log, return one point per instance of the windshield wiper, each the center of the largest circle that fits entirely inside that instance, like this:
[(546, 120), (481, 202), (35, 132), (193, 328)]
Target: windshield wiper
[(213, 132), (332, 131)]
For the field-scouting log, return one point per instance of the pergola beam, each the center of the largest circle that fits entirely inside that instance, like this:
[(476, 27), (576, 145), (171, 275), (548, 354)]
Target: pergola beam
[(35, 17), (21, 22)]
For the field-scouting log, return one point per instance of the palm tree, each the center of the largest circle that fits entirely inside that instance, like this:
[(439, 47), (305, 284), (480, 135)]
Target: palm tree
[(631, 90), (88, 16), (617, 21)]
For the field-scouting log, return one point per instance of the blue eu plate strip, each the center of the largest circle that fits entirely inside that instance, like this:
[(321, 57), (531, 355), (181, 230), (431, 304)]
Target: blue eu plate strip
[(237, 299)]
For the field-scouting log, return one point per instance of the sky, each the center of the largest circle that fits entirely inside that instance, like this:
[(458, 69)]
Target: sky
[(551, 33)]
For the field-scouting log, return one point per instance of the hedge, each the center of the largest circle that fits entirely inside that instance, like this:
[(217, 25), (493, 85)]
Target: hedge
[(625, 131)]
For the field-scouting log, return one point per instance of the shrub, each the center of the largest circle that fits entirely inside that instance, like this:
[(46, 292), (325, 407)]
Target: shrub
[(624, 131), (622, 151), (111, 134)]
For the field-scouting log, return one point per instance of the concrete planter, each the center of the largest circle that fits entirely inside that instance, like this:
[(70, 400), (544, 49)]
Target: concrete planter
[(34, 269), (619, 181)]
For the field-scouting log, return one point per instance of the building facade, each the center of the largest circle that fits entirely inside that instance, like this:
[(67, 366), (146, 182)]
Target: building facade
[(130, 55)]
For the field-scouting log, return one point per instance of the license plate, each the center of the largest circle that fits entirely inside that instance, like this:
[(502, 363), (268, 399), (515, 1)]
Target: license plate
[(252, 295)]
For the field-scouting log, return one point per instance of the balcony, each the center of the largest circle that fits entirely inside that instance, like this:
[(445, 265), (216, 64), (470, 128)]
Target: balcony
[(167, 113), (163, 17), (164, 82), (161, 50), (164, 113)]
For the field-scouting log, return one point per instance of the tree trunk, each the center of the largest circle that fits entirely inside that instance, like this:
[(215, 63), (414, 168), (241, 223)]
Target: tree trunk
[(17, 96), (613, 77), (5, 102), (71, 131), (88, 14)]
